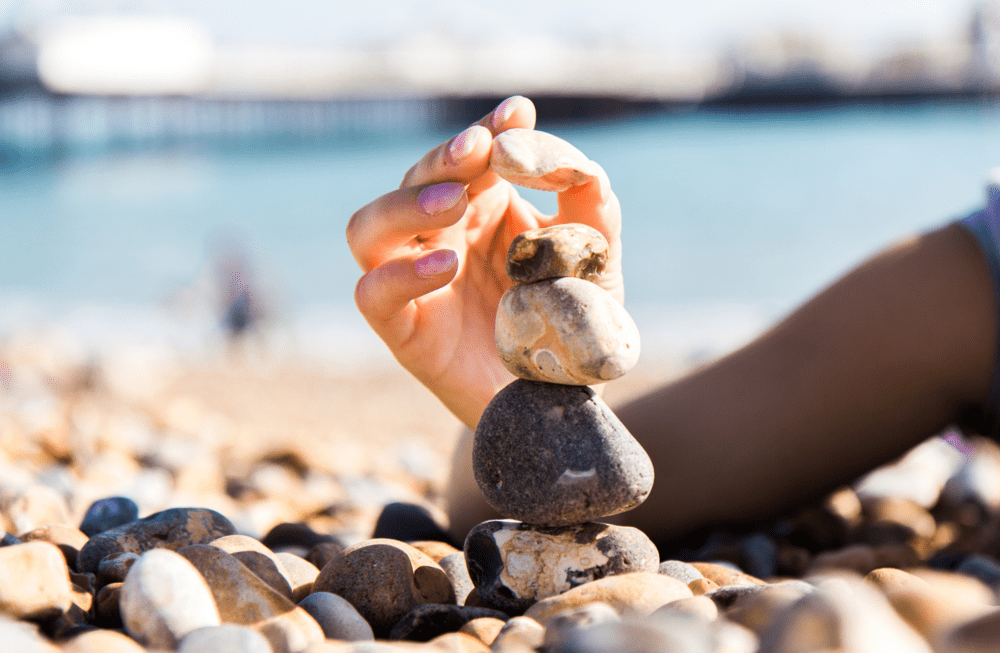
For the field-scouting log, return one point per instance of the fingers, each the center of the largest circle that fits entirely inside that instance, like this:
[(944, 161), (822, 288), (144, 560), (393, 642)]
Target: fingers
[(384, 295), (466, 156), (406, 217)]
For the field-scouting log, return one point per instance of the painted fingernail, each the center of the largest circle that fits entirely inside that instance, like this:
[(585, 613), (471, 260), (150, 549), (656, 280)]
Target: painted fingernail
[(440, 197), (463, 144), (435, 263), (505, 111)]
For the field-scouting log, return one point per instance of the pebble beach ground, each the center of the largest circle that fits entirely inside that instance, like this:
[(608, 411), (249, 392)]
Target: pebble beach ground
[(259, 488)]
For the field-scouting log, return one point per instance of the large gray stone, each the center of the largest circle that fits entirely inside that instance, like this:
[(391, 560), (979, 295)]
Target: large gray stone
[(565, 330), (514, 564), (556, 455)]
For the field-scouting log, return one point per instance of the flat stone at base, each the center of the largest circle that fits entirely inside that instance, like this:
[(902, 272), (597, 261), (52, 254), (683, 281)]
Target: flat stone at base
[(556, 455), (514, 564)]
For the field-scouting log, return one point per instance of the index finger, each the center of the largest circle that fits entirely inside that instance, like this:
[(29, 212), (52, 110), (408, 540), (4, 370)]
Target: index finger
[(463, 158)]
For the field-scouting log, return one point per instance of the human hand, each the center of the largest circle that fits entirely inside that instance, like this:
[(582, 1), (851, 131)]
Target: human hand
[(434, 256)]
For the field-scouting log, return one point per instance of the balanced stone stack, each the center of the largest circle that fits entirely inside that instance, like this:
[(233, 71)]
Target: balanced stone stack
[(548, 453)]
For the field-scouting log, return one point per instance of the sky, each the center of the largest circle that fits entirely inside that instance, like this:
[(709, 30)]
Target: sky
[(670, 24)]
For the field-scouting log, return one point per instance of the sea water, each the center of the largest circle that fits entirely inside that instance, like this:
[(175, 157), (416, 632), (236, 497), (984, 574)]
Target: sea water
[(731, 218)]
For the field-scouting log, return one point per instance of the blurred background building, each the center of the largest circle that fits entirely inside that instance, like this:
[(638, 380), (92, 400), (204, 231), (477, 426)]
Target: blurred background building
[(75, 73)]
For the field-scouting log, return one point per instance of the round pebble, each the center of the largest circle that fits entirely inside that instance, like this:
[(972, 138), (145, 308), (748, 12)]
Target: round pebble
[(337, 617), (385, 579), (565, 330), (163, 598), (103, 641), (105, 514), (514, 564), (556, 455), (34, 581), (227, 638), (638, 593), (565, 250)]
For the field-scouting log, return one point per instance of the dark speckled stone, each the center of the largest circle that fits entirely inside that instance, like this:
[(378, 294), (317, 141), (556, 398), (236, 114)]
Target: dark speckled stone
[(514, 564), (169, 529), (555, 455), (565, 250)]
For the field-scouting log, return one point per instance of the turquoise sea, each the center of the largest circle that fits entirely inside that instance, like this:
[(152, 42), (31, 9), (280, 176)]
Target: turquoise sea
[(731, 218)]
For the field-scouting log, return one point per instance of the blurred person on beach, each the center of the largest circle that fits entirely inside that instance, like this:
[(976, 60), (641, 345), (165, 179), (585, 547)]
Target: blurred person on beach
[(892, 353)]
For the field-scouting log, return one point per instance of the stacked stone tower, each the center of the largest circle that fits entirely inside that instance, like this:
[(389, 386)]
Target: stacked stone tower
[(549, 455)]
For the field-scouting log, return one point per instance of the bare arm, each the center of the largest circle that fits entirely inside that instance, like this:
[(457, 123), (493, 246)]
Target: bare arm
[(884, 358)]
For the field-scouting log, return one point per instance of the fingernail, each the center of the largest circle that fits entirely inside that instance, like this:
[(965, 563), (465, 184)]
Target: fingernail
[(463, 144), (435, 263), (505, 111), (440, 197)]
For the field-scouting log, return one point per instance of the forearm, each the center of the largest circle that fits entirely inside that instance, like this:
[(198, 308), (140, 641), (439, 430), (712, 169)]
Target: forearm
[(884, 358)]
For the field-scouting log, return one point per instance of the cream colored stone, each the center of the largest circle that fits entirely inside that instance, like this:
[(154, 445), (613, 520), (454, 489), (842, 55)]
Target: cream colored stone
[(34, 581), (562, 250), (540, 160), (565, 330), (640, 594)]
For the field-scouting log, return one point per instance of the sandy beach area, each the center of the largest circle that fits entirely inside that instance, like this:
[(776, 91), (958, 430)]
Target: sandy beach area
[(264, 443)]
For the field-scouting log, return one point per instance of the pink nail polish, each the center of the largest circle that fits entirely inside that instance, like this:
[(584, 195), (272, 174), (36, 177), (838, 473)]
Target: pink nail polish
[(505, 111), (435, 263), (440, 197), (463, 144)]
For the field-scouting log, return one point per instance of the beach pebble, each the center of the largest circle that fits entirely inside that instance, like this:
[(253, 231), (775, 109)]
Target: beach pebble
[(668, 633), (723, 575), (485, 629), (337, 617), (758, 555), (980, 635), (458, 573), (568, 624), (23, 637), (105, 514), (514, 564), (682, 571), (385, 579), (408, 522), (983, 567), (848, 615), (163, 598), (856, 558), (69, 540), (519, 633), (242, 596), (169, 529), (322, 553), (34, 581), (34, 506), (539, 160), (114, 568), (758, 610), (290, 632), (639, 593), (565, 330), (227, 638), (701, 586), (556, 455), (299, 572), (288, 535), (701, 607), (107, 612), (565, 250), (425, 622), (103, 641), (890, 579), (433, 549)]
